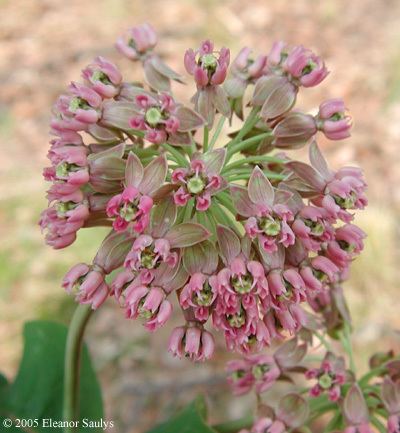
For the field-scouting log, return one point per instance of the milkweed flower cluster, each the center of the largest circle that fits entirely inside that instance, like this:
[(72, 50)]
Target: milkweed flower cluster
[(253, 244)]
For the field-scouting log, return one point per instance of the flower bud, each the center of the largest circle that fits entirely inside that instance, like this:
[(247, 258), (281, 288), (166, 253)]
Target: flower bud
[(333, 121), (294, 131)]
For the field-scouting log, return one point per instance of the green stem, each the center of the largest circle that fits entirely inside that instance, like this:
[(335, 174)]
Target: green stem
[(187, 216), (371, 374), (346, 343), (226, 201), (205, 139), (177, 155), (323, 340), (238, 147), (250, 159), (221, 216), (375, 421), (217, 132), (251, 120), (243, 175), (72, 363)]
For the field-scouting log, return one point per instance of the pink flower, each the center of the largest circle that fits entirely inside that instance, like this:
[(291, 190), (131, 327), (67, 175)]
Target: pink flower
[(240, 376), (277, 54), (134, 204), (139, 40), (89, 284), (305, 66), (205, 66), (130, 206), (164, 120), (103, 77), (245, 67), (62, 220), (149, 253), (242, 287), (311, 228), (138, 44), (244, 71), (267, 219), (76, 111), (200, 294), (192, 342), (69, 165), (209, 69), (347, 244), (264, 370), (201, 181), (121, 282), (393, 423), (147, 303), (333, 121), (286, 287), (330, 376), (336, 192)]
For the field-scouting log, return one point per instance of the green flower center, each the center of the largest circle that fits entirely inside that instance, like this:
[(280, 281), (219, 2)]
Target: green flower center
[(143, 313), (242, 284), (259, 370), (101, 76), (319, 275), (237, 320), (270, 226), (308, 68), (128, 211), (289, 292), (64, 169), (209, 62), (147, 258), (337, 116), (317, 229), (78, 103), (153, 116), (325, 381), (345, 203), (204, 297), (238, 374), (195, 185), (63, 207), (345, 246)]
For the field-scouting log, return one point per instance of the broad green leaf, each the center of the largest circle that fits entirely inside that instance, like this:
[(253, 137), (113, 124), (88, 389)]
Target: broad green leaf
[(260, 188), (37, 391), (190, 420), (186, 235), (134, 170)]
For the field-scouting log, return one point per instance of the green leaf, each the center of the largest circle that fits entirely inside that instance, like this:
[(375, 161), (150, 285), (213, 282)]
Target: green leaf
[(3, 389), (191, 419), (37, 391), (186, 235)]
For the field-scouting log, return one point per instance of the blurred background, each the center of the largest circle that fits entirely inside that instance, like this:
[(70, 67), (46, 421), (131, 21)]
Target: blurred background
[(43, 46)]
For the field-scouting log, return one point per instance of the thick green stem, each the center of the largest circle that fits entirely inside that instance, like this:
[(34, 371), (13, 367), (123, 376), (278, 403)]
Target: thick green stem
[(179, 158), (241, 145), (217, 132), (323, 341), (251, 160), (345, 338), (72, 363), (250, 122), (205, 139)]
